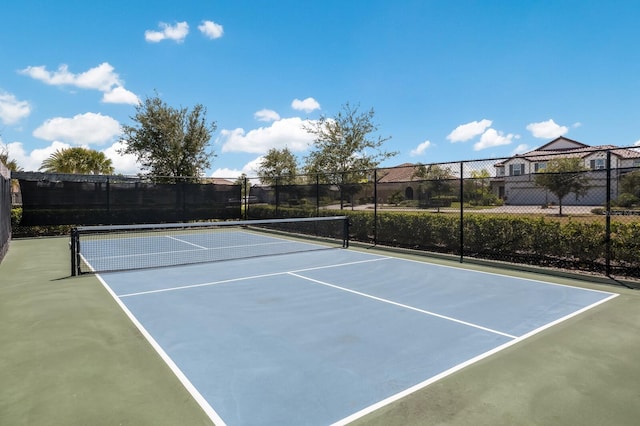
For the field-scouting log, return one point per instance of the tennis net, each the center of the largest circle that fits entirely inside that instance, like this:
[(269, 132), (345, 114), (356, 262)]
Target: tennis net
[(125, 247)]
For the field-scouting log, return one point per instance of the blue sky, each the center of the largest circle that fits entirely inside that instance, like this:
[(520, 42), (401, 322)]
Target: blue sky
[(448, 79)]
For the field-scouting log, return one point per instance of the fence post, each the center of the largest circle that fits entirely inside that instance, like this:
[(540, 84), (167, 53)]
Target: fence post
[(375, 206), (461, 211), (185, 183), (342, 191), (317, 194), (109, 218), (244, 194), (277, 197), (607, 237)]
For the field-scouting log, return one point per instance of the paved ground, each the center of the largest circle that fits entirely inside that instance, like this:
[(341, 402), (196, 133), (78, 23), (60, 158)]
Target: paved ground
[(70, 356)]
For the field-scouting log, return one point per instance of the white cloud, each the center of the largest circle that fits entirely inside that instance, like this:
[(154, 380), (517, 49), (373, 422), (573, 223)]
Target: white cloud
[(226, 173), (177, 33), (306, 105), (467, 131), (81, 129), (637, 143), (266, 115), (576, 125), (547, 129), (59, 78), (102, 78), (11, 109), (211, 30), (120, 95), (250, 170), (287, 132), (522, 148), (420, 149), (125, 164), (33, 160), (492, 138)]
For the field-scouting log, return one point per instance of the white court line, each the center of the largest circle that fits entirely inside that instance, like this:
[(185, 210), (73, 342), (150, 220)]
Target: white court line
[(197, 396), (402, 305), (250, 277), (184, 287), (460, 366), (186, 242), (214, 416)]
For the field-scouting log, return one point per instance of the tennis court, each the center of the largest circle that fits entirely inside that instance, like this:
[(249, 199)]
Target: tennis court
[(322, 334)]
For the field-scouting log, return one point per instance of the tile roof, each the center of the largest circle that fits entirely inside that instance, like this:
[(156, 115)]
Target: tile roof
[(403, 173), (542, 154)]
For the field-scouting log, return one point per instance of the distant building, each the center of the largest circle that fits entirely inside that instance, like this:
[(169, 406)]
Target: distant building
[(514, 179), (401, 179)]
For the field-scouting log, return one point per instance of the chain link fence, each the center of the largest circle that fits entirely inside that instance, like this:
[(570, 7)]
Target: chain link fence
[(71, 199), (5, 210), (577, 210)]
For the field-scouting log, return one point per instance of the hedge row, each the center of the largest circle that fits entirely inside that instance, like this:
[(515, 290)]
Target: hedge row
[(539, 241)]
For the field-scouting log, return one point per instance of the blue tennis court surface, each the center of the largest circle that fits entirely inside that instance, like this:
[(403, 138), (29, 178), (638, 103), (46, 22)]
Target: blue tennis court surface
[(323, 337)]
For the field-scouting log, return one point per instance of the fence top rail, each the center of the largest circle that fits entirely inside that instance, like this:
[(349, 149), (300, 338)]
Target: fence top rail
[(91, 178)]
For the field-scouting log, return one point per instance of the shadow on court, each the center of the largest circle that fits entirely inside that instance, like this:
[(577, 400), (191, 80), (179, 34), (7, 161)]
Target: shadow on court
[(70, 356)]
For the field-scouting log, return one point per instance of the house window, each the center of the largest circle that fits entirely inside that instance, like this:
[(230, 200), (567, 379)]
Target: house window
[(597, 164), (538, 167), (516, 169)]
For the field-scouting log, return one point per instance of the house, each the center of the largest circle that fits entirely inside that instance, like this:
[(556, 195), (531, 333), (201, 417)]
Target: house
[(220, 181), (397, 179), (407, 179), (514, 179)]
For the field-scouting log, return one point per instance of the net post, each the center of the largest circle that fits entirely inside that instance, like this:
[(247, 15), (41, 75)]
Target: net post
[(74, 252), (345, 233)]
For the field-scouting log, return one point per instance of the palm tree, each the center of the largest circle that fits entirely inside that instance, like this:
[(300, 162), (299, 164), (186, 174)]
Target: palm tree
[(10, 163), (77, 160)]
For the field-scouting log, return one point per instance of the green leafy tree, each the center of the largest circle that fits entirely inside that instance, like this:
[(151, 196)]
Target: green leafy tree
[(563, 176), (436, 181), (396, 198), (346, 149), (477, 189), (278, 166), (244, 184), (77, 160), (169, 142), (630, 183), (629, 190)]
